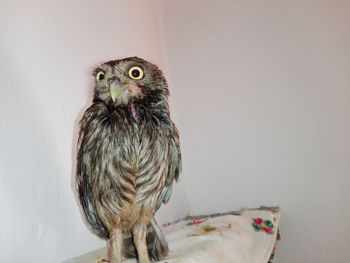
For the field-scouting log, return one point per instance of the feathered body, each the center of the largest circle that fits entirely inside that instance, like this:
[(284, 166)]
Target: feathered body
[(128, 157)]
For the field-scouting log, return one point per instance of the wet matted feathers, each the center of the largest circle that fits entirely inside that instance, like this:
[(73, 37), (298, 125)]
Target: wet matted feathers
[(128, 157)]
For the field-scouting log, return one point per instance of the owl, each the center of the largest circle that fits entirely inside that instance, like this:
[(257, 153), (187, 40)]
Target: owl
[(128, 157)]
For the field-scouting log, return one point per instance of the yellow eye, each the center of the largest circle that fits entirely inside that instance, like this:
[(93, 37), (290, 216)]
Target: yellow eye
[(136, 73), (100, 75)]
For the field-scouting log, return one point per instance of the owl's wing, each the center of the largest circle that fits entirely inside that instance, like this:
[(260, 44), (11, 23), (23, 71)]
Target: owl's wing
[(174, 168), (83, 175)]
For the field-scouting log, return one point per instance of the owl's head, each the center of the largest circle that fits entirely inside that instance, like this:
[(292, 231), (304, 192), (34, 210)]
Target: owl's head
[(124, 81)]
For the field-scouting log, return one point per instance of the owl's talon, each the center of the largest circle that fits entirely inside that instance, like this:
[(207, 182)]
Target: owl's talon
[(102, 260)]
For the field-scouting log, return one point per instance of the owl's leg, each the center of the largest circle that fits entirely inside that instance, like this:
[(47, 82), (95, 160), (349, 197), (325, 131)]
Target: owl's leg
[(115, 243), (139, 233)]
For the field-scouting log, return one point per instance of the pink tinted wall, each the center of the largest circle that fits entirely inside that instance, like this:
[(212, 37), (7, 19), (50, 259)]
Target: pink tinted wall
[(263, 92)]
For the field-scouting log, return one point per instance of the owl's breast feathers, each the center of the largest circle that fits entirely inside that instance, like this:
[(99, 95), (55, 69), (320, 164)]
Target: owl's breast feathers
[(128, 159)]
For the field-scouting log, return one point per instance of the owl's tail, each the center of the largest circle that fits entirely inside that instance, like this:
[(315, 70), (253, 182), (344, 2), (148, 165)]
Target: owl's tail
[(156, 243)]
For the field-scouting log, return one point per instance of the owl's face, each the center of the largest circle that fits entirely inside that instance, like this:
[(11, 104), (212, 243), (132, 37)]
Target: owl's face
[(129, 80)]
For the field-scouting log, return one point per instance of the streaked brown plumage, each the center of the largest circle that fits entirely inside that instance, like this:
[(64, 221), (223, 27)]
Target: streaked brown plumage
[(128, 157)]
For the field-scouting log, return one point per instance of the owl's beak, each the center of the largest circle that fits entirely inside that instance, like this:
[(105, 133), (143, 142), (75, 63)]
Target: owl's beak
[(115, 89)]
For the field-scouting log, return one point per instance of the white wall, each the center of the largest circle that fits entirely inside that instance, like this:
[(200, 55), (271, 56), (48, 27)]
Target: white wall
[(47, 52), (263, 104)]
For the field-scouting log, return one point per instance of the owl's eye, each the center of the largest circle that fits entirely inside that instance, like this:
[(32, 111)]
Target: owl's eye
[(100, 75), (136, 73)]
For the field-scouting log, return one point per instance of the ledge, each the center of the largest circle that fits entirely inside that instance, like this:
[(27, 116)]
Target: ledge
[(230, 237)]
